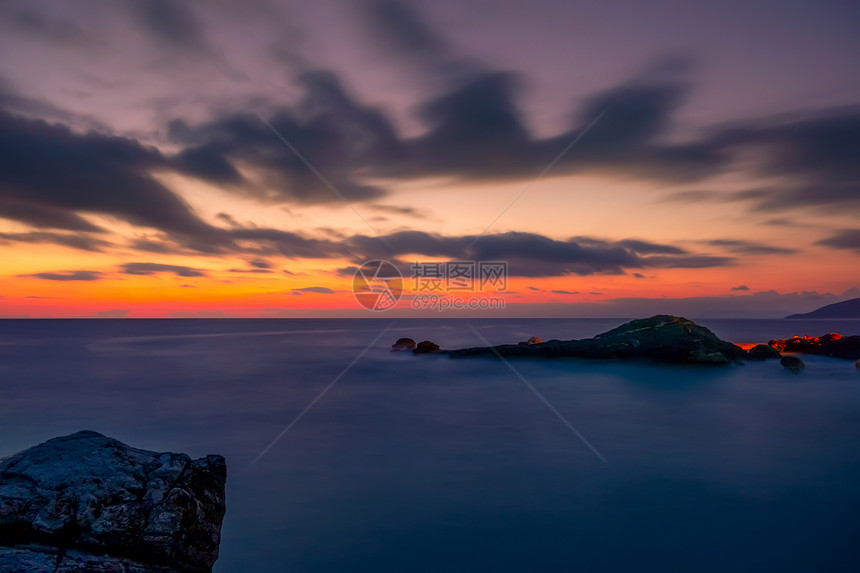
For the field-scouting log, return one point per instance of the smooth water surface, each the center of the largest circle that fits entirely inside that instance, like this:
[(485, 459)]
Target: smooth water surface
[(430, 464)]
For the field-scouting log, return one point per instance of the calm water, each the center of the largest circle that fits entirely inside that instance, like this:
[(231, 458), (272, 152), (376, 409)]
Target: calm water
[(430, 464)]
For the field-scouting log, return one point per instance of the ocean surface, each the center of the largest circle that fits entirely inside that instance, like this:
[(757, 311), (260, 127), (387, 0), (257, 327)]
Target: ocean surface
[(425, 464)]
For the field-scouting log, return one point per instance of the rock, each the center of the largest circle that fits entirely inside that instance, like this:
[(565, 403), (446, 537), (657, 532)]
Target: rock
[(426, 347), (532, 340), (403, 344), (857, 364), (89, 503), (763, 352), (792, 364), (831, 344), (661, 338)]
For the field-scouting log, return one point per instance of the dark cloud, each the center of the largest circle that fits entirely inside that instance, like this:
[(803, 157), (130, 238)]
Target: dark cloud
[(638, 276), (314, 289), (80, 241), (68, 276), (44, 25), (172, 23), (44, 216), (154, 268), (474, 130), (649, 248), (848, 239), (260, 264), (47, 170), (399, 31), (397, 210), (750, 248), (741, 287), (252, 271), (329, 131), (812, 157), (565, 292), (529, 254)]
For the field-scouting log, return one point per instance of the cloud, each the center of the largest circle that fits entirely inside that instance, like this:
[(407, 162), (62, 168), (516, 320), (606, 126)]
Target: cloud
[(172, 23), (565, 292), (47, 170), (741, 287), (74, 241), (638, 276), (260, 264), (113, 313), (67, 276), (397, 210), (848, 239), (252, 271), (400, 32), (529, 254), (749, 247), (45, 217), (154, 268), (811, 156), (44, 25), (51, 177), (314, 289)]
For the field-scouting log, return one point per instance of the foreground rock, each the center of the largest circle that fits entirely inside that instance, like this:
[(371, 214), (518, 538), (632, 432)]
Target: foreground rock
[(89, 503), (403, 344), (763, 352), (661, 338), (426, 347), (831, 344), (792, 364)]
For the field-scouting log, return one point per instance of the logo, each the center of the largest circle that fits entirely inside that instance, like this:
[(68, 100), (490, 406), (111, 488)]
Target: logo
[(377, 285)]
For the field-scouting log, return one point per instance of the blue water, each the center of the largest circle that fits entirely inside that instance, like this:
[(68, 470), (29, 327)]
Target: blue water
[(427, 464)]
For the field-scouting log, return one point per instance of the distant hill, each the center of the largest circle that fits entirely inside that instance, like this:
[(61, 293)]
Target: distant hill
[(845, 309)]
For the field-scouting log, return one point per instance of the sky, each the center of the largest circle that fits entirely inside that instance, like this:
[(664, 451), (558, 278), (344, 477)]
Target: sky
[(243, 159)]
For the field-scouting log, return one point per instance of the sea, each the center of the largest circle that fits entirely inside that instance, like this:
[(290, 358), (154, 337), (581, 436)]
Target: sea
[(346, 457)]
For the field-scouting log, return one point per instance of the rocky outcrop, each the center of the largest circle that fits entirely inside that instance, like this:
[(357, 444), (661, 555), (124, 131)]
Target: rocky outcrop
[(89, 503), (426, 347), (845, 309), (763, 352), (532, 340), (831, 344), (661, 338), (403, 344), (792, 364)]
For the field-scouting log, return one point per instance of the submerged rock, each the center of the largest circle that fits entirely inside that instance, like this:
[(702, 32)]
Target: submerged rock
[(792, 364), (661, 338), (763, 352), (426, 347), (89, 503), (403, 344), (831, 344)]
